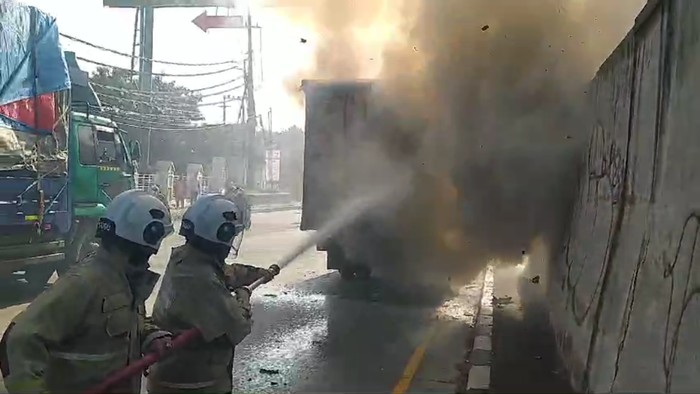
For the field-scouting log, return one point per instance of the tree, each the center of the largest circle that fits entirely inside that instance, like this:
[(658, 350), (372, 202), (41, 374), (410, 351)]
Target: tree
[(168, 106)]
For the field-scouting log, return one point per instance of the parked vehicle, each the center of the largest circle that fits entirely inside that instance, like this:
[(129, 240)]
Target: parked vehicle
[(60, 161)]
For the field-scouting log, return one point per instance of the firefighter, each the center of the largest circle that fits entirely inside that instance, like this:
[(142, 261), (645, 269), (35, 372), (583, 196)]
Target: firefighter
[(197, 293), (92, 322)]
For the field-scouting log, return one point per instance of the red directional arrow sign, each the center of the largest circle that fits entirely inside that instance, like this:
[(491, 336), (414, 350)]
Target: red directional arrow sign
[(206, 22)]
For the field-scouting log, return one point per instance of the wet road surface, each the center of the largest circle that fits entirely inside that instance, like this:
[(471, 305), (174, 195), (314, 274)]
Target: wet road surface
[(314, 332)]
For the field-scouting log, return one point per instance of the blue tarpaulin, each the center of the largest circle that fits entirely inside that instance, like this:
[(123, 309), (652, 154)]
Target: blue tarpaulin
[(29, 47)]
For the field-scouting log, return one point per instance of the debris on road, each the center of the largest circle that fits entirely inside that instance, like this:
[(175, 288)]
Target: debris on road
[(266, 371), (499, 302), (535, 279), (484, 27)]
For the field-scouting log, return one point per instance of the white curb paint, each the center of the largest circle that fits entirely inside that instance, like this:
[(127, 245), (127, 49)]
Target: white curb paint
[(482, 342), (480, 375)]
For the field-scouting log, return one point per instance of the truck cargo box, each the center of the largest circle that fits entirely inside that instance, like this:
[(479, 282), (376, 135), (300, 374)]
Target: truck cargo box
[(347, 157), (336, 116)]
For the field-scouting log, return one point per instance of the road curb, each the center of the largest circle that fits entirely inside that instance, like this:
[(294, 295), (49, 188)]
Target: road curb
[(481, 354)]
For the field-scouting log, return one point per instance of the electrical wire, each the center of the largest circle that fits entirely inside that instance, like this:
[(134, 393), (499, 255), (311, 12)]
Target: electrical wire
[(189, 128), (202, 74), (135, 91), (116, 111), (153, 123), (155, 102), (232, 61), (149, 120), (163, 121), (149, 104), (161, 95)]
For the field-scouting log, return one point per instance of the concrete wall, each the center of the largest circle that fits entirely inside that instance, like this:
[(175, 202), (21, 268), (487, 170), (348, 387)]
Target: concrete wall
[(624, 292)]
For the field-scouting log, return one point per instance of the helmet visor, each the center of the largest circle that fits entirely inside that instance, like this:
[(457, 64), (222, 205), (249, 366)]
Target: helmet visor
[(236, 244)]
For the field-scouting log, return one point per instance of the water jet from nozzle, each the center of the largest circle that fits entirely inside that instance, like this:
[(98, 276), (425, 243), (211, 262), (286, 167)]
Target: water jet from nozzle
[(349, 213)]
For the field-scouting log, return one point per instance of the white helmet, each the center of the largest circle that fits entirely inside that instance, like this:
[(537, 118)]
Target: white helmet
[(216, 219), (139, 217)]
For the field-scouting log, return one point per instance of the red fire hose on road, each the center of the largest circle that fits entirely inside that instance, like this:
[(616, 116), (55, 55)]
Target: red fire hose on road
[(178, 342)]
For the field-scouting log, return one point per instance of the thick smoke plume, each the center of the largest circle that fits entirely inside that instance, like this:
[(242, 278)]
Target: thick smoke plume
[(488, 104)]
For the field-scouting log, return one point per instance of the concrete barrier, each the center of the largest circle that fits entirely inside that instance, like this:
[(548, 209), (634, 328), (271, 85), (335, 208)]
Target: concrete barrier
[(624, 292)]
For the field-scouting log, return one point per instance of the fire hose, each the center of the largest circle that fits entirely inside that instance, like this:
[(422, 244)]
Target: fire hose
[(178, 342)]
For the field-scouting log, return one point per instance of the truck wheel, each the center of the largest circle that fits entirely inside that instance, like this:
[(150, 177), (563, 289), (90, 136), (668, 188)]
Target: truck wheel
[(363, 272), (347, 273), (38, 275)]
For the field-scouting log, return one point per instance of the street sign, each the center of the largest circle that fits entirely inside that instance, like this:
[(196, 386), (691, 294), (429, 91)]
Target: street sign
[(206, 22), (168, 3)]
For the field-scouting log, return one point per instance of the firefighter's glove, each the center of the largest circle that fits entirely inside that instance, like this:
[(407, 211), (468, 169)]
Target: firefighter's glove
[(160, 342), (243, 297)]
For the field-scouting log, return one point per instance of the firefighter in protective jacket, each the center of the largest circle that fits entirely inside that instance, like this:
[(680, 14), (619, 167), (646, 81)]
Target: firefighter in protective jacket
[(197, 292), (92, 322)]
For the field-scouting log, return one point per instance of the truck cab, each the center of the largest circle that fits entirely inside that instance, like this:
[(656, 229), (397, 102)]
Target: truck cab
[(100, 163), (100, 166)]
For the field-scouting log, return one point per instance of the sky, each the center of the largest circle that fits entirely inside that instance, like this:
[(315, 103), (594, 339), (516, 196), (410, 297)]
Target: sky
[(278, 56)]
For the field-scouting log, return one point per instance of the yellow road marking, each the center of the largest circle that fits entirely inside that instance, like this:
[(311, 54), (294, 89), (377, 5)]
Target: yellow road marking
[(414, 363)]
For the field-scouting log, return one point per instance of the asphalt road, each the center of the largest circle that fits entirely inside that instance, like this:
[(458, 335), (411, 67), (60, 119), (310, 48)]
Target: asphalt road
[(315, 333)]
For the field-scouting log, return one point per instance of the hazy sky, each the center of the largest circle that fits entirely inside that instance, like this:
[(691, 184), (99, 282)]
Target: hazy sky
[(177, 39)]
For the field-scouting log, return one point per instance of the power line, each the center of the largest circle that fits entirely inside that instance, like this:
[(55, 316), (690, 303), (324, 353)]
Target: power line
[(150, 123), (147, 59), (218, 85), (189, 128), (116, 111), (202, 74), (151, 103), (127, 116), (161, 95)]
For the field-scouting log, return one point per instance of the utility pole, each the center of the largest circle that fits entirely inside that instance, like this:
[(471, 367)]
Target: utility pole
[(269, 127), (224, 105), (146, 65), (252, 116), (135, 41), (241, 110), (146, 49)]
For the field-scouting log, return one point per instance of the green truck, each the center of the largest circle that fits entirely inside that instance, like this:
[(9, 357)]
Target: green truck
[(101, 164), (48, 217)]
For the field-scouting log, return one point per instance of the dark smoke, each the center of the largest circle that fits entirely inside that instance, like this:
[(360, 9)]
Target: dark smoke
[(491, 120)]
